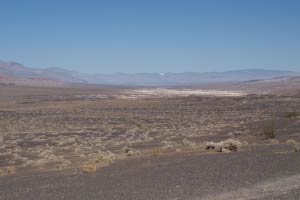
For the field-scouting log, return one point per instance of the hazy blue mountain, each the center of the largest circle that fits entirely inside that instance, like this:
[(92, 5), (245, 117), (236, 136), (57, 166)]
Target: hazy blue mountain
[(16, 70)]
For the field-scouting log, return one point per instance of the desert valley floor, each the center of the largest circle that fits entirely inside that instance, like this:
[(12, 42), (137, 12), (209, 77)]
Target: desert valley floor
[(123, 143)]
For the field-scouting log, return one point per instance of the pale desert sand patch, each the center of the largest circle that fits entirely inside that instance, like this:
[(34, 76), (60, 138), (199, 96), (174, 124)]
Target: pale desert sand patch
[(186, 92), (165, 92)]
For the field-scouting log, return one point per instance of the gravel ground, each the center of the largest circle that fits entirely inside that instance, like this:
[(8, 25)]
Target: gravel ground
[(258, 173)]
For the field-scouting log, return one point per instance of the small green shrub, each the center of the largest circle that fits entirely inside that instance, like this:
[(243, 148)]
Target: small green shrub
[(293, 115), (269, 132), (1, 172)]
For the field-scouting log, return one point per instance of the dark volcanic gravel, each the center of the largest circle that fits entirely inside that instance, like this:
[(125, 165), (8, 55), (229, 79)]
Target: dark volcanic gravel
[(206, 176)]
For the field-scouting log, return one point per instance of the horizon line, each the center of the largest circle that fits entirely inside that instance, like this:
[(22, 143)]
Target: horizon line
[(161, 73)]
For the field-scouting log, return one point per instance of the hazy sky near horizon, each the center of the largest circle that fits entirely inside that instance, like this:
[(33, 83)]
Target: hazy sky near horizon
[(151, 35)]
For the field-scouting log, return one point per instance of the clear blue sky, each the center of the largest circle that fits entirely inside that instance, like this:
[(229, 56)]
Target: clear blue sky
[(151, 35)]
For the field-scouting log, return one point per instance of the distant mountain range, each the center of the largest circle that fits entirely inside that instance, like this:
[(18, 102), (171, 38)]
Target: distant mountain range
[(15, 73)]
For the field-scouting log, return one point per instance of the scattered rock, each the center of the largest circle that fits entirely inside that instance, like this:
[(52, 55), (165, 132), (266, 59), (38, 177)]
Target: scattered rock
[(297, 147), (231, 144), (210, 145), (218, 147), (131, 152), (224, 146), (168, 144)]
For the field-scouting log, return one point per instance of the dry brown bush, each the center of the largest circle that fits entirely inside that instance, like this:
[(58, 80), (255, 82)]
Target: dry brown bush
[(88, 168)]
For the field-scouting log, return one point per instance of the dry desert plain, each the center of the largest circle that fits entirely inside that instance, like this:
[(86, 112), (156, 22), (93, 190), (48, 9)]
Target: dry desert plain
[(153, 143)]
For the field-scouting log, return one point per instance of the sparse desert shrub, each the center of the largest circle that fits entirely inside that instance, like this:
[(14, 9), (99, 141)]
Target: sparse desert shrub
[(178, 150), (294, 144), (269, 132), (293, 115), (291, 142), (2, 172), (297, 147), (64, 164), (10, 170), (190, 144), (210, 145), (157, 151), (88, 168), (105, 158)]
